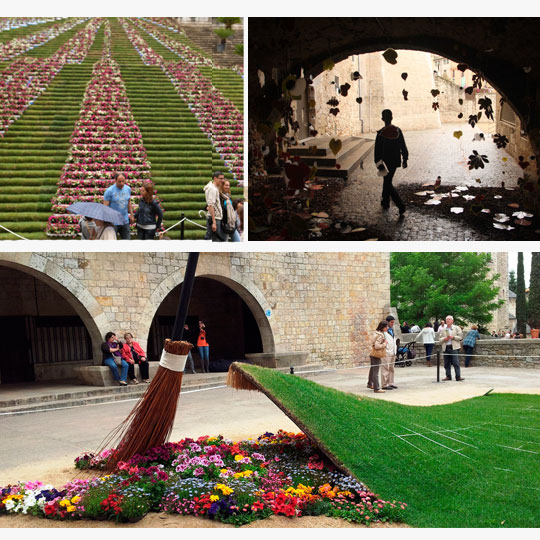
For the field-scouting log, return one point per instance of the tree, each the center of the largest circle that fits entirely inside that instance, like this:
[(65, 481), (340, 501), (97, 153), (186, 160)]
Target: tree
[(521, 300), (534, 292), (433, 285), (228, 31), (512, 283)]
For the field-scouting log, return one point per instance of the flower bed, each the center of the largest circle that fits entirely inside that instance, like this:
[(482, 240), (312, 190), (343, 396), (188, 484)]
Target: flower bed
[(25, 79), (211, 477), (20, 45), (106, 140), (217, 116)]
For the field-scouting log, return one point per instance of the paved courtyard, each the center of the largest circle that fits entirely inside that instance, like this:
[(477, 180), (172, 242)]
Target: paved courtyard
[(432, 153), (50, 440)]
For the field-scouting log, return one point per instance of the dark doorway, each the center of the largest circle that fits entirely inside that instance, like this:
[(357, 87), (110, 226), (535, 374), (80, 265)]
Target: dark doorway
[(37, 327), (232, 330)]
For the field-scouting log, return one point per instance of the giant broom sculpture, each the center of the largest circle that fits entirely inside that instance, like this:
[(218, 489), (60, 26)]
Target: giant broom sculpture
[(151, 421)]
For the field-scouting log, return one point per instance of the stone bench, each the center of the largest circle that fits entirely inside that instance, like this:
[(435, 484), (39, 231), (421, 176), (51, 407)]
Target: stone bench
[(102, 375), (278, 360)]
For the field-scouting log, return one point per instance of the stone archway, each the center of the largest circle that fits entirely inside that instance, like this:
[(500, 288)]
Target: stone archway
[(68, 287), (244, 288), (502, 49)]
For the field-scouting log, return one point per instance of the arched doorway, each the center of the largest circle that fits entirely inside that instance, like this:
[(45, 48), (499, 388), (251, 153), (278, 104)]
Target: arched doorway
[(235, 323), (44, 329)]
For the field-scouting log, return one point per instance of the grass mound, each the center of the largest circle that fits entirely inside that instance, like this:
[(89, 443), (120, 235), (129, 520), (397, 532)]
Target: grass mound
[(468, 464)]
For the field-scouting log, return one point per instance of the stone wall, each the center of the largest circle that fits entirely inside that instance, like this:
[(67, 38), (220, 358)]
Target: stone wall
[(326, 304), (450, 107), (381, 87)]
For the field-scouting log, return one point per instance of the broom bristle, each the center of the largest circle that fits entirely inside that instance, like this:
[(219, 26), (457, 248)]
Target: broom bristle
[(236, 379), (151, 421)]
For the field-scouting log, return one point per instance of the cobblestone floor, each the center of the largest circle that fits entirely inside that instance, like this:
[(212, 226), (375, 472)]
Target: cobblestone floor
[(432, 153)]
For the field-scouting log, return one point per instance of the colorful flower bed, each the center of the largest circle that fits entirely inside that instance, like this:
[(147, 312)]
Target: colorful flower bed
[(20, 45), (106, 140), (211, 477), (217, 116), (25, 79), (166, 22)]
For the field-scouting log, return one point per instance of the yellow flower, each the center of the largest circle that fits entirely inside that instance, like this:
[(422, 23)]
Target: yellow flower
[(238, 457), (76, 499), (71, 508), (214, 498), (226, 490)]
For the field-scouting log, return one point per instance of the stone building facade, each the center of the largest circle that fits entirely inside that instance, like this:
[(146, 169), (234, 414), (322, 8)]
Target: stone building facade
[(380, 87), (325, 304)]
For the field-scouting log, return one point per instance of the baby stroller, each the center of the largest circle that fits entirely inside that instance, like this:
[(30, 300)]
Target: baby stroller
[(405, 354)]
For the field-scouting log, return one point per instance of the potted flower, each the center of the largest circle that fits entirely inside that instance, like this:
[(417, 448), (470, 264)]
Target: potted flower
[(134, 507), (226, 32)]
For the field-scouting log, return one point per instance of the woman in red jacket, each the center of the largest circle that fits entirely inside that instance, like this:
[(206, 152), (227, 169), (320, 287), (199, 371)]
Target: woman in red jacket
[(133, 354)]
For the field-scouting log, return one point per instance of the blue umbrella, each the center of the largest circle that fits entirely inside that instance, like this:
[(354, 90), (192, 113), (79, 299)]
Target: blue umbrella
[(97, 211)]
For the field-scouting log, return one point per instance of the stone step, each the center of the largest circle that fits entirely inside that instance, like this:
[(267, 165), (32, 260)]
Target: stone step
[(80, 395)]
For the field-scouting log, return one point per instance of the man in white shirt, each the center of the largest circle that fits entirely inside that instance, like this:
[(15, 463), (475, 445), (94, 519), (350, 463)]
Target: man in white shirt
[(387, 364), (451, 336), (215, 210)]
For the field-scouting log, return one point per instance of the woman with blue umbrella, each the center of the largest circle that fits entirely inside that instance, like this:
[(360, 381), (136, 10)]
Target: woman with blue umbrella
[(99, 218)]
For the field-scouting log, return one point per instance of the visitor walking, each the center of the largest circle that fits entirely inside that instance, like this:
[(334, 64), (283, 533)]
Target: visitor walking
[(118, 197), (389, 149), (428, 339), (204, 348), (109, 348), (149, 214), (415, 329), (387, 365), (215, 211), (450, 336), (133, 354), (469, 342), (230, 218), (378, 352)]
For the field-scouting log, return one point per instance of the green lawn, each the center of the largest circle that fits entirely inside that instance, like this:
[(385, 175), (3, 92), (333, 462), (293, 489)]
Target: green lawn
[(475, 463)]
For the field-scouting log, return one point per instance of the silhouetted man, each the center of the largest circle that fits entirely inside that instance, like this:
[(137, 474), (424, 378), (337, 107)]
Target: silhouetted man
[(389, 148)]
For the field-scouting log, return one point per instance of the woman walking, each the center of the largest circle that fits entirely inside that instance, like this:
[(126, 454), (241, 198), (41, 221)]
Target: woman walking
[(204, 348), (428, 339), (229, 222), (109, 348), (149, 214), (378, 352), (469, 342), (104, 230), (133, 354)]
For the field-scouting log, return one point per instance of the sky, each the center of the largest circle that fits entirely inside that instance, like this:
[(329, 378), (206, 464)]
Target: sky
[(513, 260)]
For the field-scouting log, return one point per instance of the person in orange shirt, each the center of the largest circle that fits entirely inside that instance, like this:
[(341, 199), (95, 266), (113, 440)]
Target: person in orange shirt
[(204, 348)]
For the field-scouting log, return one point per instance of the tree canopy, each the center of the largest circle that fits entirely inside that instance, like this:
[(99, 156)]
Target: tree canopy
[(433, 285), (521, 299), (534, 292)]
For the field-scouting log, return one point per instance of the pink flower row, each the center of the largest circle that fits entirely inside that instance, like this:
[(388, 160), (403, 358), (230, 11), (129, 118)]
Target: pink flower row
[(25, 79), (106, 140), (20, 45), (183, 51), (217, 116)]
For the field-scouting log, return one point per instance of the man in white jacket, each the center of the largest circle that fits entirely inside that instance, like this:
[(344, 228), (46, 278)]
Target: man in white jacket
[(387, 364), (451, 336)]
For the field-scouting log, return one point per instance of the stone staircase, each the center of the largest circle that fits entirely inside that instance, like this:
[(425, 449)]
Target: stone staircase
[(202, 35), (34, 397), (354, 151)]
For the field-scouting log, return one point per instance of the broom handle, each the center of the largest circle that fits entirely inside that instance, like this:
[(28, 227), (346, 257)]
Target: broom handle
[(181, 314)]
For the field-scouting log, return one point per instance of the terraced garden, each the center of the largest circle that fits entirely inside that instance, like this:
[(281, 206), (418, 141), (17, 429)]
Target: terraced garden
[(35, 148)]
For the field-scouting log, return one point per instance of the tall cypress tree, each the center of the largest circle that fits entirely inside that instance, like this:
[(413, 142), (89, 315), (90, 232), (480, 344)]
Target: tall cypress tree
[(521, 301), (534, 292)]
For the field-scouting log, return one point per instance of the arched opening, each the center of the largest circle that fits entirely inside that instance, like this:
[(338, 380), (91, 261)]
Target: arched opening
[(235, 323), (42, 329), (291, 131)]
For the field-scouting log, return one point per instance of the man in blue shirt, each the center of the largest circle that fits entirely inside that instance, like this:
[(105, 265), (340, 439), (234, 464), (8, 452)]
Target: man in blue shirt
[(118, 197)]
